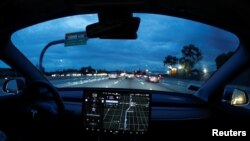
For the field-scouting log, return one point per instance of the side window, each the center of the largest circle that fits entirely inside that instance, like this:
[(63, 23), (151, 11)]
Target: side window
[(7, 73)]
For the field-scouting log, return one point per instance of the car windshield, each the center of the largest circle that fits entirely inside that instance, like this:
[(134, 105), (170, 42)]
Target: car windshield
[(181, 52)]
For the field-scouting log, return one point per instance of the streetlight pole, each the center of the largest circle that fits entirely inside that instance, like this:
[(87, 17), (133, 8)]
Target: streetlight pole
[(45, 49)]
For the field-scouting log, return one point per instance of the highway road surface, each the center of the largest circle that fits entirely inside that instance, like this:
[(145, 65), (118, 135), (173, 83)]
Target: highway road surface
[(166, 84), (127, 83)]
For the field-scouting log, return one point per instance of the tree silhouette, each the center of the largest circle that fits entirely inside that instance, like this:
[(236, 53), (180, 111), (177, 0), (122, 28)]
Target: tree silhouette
[(190, 56), (222, 58), (170, 60)]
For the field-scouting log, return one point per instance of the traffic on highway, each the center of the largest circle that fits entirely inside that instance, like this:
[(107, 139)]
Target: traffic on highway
[(165, 84)]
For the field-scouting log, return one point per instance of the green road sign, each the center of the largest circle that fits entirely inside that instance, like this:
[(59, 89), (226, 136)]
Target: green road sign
[(76, 38)]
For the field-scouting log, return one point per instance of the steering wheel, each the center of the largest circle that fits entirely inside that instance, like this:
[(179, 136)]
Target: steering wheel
[(29, 92)]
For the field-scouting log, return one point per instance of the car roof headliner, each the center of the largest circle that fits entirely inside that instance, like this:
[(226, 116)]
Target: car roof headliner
[(228, 14)]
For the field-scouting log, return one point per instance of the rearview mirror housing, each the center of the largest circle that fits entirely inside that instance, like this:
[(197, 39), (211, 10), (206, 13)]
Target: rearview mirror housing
[(114, 29), (115, 24)]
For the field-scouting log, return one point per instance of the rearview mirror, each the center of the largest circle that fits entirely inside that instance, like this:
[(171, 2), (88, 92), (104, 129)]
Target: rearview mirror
[(114, 29), (13, 86)]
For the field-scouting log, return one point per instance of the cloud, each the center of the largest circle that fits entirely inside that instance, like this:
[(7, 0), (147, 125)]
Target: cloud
[(158, 36), (78, 22)]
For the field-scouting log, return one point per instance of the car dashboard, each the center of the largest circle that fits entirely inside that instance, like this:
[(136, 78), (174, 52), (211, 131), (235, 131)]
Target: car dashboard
[(111, 113), (134, 112)]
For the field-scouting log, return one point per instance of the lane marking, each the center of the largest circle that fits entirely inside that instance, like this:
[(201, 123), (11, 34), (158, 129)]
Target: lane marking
[(70, 83), (142, 83), (165, 83), (116, 82), (150, 88)]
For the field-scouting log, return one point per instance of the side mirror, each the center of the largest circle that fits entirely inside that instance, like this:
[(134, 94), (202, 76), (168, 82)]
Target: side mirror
[(13, 86), (239, 97), (235, 97)]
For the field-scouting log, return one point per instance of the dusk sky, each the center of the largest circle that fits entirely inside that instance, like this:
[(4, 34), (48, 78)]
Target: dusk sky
[(158, 36)]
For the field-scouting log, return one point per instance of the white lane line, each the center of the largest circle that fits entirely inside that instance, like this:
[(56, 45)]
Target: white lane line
[(150, 88), (67, 84), (142, 83), (116, 82), (106, 86)]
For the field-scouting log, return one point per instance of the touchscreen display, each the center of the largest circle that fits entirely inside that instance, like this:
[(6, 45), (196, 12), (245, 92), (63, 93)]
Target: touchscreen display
[(116, 112)]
